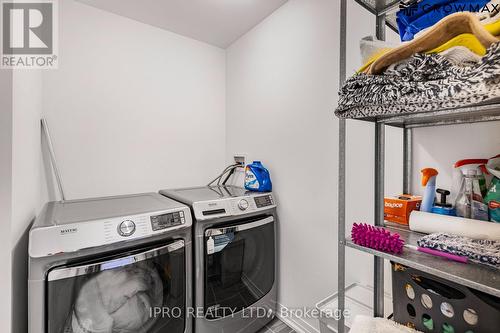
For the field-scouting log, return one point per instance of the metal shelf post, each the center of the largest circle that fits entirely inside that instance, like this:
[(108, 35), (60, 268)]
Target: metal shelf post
[(407, 159), (378, 282), (342, 172), (378, 263)]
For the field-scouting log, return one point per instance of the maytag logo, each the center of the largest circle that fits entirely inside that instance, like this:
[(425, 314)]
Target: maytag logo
[(68, 231)]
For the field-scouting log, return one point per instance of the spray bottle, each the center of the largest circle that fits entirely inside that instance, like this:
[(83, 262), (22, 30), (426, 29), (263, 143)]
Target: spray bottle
[(469, 203), (429, 181), (461, 168)]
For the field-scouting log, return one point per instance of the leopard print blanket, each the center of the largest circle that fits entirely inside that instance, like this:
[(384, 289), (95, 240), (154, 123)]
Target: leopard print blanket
[(422, 83)]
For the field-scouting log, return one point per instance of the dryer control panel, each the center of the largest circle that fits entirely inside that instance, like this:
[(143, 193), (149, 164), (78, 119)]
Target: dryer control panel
[(206, 210)]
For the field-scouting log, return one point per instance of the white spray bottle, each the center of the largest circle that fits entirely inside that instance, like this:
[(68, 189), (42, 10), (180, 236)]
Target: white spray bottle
[(429, 181), (461, 169)]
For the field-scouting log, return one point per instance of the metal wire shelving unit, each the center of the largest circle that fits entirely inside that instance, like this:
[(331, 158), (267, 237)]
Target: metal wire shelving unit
[(474, 276)]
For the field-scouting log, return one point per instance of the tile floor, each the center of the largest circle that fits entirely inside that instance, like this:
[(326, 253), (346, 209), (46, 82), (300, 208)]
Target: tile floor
[(276, 326)]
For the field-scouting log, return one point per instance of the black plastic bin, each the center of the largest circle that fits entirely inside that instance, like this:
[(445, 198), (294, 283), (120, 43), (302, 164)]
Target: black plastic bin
[(430, 304)]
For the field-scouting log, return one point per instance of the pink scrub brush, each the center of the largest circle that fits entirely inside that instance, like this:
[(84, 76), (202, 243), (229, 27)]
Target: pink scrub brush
[(376, 238)]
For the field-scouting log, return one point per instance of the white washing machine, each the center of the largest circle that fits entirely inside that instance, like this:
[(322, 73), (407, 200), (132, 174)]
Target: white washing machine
[(234, 236), (111, 265)]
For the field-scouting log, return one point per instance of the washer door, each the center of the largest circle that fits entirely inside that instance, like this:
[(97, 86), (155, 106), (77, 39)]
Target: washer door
[(239, 266), (142, 292)]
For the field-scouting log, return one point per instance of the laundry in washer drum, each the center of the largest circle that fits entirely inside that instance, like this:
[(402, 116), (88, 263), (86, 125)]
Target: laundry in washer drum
[(117, 300)]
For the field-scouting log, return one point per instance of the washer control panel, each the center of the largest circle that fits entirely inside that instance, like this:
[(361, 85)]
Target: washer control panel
[(206, 210)]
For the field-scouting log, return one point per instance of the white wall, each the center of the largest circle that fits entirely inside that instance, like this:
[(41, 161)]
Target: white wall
[(281, 93), (26, 183), (133, 108), (5, 197)]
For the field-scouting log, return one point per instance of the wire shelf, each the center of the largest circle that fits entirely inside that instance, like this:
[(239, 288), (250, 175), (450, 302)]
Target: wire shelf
[(476, 276), (455, 116)]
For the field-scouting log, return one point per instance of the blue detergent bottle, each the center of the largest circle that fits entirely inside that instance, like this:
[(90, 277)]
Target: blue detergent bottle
[(257, 178)]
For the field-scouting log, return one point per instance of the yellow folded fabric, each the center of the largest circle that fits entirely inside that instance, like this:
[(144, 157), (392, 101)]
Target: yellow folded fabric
[(469, 41), (494, 27)]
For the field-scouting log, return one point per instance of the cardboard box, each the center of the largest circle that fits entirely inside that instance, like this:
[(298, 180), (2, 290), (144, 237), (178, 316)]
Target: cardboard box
[(398, 209)]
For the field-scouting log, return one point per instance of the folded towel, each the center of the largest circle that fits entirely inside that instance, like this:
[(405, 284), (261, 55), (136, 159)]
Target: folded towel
[(365, 324), (424, 83), (481, 251)]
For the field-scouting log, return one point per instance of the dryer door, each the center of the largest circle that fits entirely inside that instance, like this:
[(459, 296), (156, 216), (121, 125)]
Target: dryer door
[(141, 292), (239, 266)]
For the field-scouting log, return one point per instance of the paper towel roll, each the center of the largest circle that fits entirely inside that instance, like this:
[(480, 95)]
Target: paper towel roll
[(433, 223)]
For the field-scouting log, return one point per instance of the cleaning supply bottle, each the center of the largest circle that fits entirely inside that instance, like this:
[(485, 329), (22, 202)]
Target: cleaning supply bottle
[(429, 181), (257, 178), (442, 207), (461, 168), (492, 198), (469, 203)]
